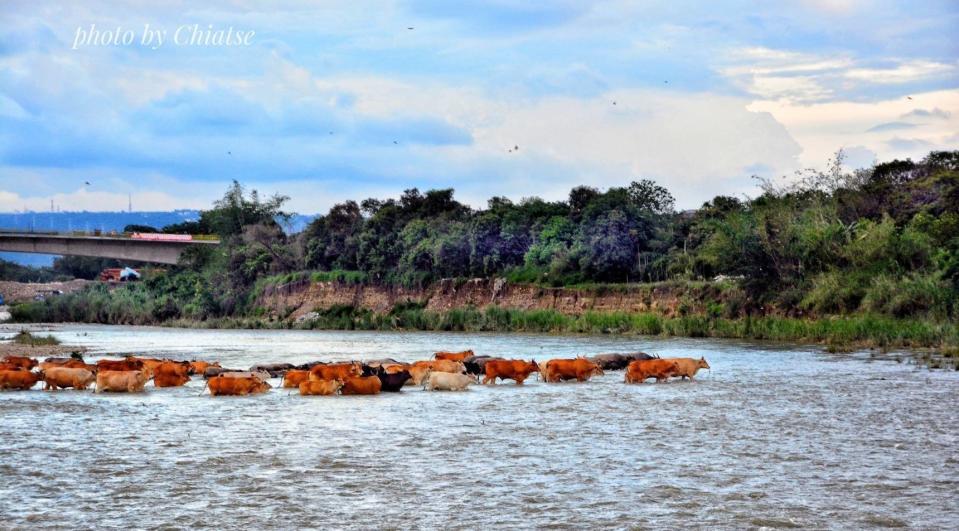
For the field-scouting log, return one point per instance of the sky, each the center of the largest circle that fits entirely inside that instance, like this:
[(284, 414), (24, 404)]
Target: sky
[(328, 101)]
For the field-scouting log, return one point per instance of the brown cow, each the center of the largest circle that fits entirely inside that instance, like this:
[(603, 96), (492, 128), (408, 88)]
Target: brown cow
[(24, 362), (225, 386), (579, 369), (319, 387), (517, 370), (294, 377), (453, 356), (689, 366), (335, 371), (128, 364), (19, 379), (121, 381), (171, 374), (150, 364), (200, 367), (69, 363), (12, 367), (63, 377), (362, 385), (640, 370)]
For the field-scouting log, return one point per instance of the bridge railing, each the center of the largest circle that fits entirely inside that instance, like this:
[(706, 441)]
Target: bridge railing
[(151, 236)]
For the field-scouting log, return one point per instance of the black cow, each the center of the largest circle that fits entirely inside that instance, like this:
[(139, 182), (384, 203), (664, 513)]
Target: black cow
[(392, 382)]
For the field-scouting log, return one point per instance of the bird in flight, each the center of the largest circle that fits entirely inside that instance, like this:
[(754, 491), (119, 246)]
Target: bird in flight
[(515, 148), (409, 27), (908, 97), (86, 183), (614, 103), (229, 152), (395, 142)]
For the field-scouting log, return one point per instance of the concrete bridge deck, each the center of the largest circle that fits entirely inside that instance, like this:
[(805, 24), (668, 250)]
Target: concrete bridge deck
[(111, 246)]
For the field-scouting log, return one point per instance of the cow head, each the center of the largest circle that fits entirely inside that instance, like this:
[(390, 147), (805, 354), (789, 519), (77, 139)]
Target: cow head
[(533, 366), (701, 363), (366, 370), (596, 370)]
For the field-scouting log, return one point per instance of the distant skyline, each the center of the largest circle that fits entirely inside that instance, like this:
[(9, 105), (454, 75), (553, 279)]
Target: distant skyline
[(345, 100)]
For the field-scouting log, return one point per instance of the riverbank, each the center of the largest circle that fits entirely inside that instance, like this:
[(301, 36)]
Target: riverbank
[(701, 309), (834, 333)]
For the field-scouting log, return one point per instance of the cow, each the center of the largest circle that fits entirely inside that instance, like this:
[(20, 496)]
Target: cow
[(121, 381), (517, 370), (66, 363), (447, 381), (171, 374), (227, 386), (19, 379), (579, 369), (453, 356), (128, 364), (293, 378), (24, 362), (4, 366), (62, 377), (634, 356), (477, 364), (276, 370), (392, 382), (263, 376), (200, 367), (150, 364), (688, 367), (319, 387), (418, 374), (611, 361), (640, 370), (442, 366), (361, 385), (335, 371)]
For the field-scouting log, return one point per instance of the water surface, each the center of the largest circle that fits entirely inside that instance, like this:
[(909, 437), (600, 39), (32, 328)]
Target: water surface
[(772, 436)]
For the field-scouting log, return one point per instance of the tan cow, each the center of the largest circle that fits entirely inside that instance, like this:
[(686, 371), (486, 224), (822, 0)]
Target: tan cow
[(62, 377), (447, 381), (293, 378), (688, 367), (121, 381), (319, 387)]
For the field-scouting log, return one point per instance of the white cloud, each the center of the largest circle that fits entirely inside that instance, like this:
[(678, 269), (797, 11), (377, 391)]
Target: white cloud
[(822, 128), (904, 72)]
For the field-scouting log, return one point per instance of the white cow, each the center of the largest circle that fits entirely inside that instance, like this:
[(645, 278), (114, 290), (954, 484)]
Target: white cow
[(447, 381)]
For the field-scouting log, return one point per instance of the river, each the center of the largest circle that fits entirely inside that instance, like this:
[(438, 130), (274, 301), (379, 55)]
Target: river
[(772, 436)]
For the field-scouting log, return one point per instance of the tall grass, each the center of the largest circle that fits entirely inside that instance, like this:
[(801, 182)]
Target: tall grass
[(26, 338), (864, 330)]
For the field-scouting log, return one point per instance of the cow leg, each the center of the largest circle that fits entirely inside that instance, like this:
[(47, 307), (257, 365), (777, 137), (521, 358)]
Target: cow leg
[(519, 381)]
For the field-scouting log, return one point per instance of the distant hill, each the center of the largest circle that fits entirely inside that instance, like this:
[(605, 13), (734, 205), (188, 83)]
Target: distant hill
[(92, 221)]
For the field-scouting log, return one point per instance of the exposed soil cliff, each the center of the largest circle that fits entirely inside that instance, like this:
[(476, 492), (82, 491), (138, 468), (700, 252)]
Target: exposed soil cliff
[(296, 299)]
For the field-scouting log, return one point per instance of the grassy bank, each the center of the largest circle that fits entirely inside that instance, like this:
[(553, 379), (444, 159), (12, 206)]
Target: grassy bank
[(833, 332), (136, 306), (857, 330)]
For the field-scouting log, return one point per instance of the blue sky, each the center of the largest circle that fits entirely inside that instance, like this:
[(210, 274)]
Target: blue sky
[(331, 101)]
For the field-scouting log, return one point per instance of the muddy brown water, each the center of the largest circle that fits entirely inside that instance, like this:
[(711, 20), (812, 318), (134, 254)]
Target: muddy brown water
[(773, 436)]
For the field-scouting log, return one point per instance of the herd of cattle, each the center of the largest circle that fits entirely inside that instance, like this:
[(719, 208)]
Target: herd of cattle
[(447, 371)]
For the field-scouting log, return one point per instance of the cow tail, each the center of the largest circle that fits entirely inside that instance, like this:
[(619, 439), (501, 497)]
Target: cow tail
[(206, 383)]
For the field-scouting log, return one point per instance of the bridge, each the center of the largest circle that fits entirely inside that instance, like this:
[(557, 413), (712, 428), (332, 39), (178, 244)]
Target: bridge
[(119, 246)]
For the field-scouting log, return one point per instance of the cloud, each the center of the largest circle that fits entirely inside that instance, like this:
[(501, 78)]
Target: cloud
[(890, 126), (923, 113), (905, 72), (909, 144)]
